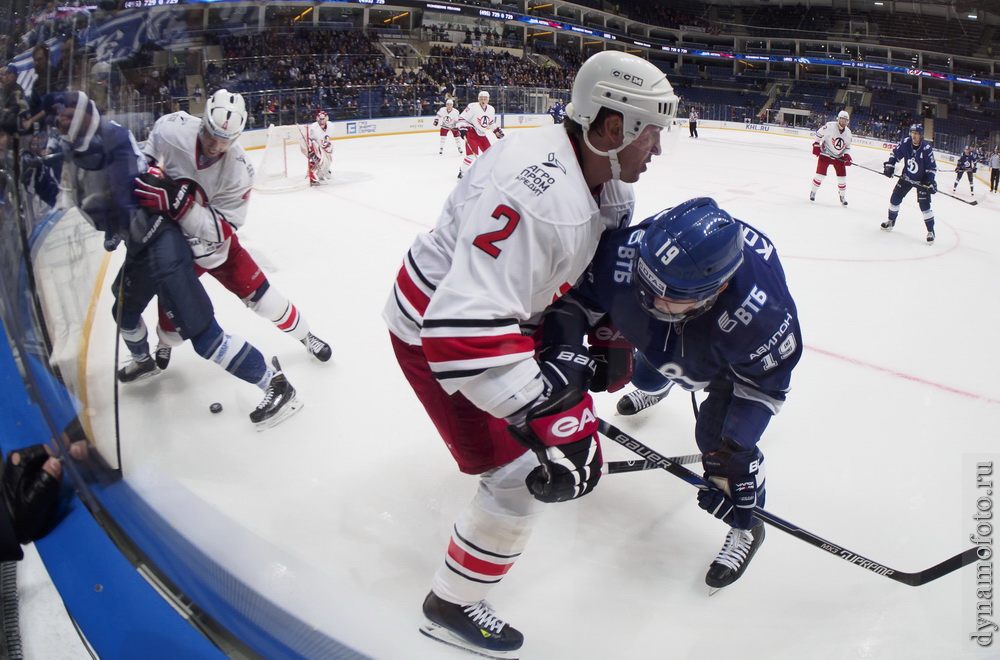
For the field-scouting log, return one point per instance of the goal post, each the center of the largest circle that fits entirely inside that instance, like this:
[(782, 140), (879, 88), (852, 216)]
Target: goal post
[(284, 166)]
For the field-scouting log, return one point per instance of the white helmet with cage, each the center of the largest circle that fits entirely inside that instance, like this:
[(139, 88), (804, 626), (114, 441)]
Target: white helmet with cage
[(626, 84), (225, 115)]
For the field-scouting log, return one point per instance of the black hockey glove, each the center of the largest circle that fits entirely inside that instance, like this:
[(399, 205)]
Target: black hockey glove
[(931, 187), (615, 358), (462, 132), (562, 431), (564, 365), (888, 169), (738, 475), (161, 194), (31, 493)]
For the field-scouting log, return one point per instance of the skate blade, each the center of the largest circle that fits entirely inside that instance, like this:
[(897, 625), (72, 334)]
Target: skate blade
[(445, 636), (146, 376), (714, 590), (287, 411)]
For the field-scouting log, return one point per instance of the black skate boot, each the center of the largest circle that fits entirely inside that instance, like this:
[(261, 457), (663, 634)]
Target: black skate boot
[(930, 237), (843, 199), (318, 348), (138, 369), (162, 356), (474, 628), (888, 225), (812, 196), (737, 551), (638, 400), (279, 401)]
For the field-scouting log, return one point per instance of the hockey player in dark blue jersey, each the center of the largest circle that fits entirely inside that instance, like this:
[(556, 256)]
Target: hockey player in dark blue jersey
[(101, 164), (919, 171), (702, 296), (966, 165)]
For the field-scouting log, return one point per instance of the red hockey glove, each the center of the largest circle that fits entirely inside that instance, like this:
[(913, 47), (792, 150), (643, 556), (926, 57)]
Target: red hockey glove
[(615, 357), (847, 160), (435, 122), (161, 194), (497, 132), (816, 151), (562, 431)]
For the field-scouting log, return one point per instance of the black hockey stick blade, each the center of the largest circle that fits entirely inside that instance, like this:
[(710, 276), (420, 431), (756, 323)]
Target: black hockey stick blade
[(616, 467), (913, 579), (974, 202)]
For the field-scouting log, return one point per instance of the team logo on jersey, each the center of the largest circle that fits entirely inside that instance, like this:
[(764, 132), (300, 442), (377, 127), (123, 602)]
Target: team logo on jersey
[(838, 144), (912, 167), (554, 162), (536, 179)]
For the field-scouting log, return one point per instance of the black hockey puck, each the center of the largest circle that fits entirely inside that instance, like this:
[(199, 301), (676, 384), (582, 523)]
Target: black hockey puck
[(215, 407)]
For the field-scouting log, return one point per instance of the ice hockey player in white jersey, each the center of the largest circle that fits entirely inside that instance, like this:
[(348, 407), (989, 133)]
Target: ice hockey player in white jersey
[(833, 147), (447, 121), (476, 122), (319, 150), (202, 157), (514, 235)]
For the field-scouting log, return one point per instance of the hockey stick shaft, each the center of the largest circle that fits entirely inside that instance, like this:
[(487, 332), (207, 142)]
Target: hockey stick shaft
[(912, 579), (616, 467), (974, 202)]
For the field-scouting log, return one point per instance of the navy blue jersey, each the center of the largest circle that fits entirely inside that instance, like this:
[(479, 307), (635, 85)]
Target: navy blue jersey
[(966, 163), (919, 165), (102, 180), (750, 337)]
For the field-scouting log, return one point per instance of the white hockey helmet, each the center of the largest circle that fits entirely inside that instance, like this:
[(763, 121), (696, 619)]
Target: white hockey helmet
[(484, 95), (843, 115), (225, 115), (627, 84), (449, 102)]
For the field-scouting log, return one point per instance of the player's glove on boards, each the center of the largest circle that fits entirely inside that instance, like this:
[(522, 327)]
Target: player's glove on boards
[(562, 431), (31, 493)]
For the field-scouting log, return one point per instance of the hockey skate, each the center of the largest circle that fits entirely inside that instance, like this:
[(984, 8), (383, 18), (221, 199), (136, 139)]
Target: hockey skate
[(812, 196), (638, 400), (138, 369), (162, 356), (474, 628), (279, 401), (318, 348), (737, 551), (888, 225), (843, 199), (930, 237)]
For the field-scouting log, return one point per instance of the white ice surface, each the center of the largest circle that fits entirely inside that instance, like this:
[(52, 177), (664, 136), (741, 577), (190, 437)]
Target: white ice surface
[(343, 513)]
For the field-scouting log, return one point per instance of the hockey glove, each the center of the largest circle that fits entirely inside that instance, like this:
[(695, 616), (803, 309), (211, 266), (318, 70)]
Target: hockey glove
[(816, 151), (462, 132), (31, 493), (435, 122), (564, 365), (888, 169), (615, 358), (161, 194), (562, 431), (931, 187), (497, 132), (738, 475), (848, 161)]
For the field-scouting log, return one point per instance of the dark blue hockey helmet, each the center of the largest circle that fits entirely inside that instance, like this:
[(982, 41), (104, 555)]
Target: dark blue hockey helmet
[(919, 128), (686, 255)]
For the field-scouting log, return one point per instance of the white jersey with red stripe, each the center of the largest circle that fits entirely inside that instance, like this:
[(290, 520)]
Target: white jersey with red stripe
[(483, 120), (225, 184), (320, 140), (833, 142), (447, 118), (515, 234)]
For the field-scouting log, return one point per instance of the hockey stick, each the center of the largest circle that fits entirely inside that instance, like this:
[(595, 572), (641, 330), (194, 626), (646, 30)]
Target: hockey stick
[(912, 579), (616, 467), (920, 185)]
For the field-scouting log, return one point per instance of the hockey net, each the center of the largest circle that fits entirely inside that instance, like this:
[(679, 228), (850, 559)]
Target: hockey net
[(284, 167)]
